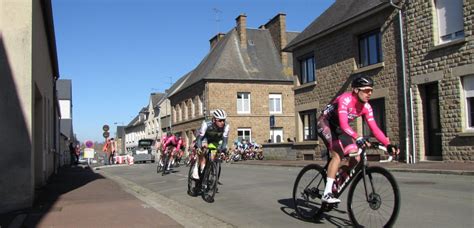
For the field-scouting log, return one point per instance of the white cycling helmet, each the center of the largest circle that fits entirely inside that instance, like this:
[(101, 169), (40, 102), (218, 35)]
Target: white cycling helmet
[(219, 114)]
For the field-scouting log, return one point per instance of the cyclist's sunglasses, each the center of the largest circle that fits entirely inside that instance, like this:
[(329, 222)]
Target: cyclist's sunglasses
[(366, 90), (220, 120)]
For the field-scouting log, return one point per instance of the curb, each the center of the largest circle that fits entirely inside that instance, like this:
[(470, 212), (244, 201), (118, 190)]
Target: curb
[(393, 169), (184, 215)]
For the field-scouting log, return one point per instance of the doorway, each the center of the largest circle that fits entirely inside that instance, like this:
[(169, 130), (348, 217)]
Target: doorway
[(432, 123)]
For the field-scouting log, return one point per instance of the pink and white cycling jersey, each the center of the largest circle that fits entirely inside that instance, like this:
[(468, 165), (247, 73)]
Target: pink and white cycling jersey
[(173, 140), (345, 109)]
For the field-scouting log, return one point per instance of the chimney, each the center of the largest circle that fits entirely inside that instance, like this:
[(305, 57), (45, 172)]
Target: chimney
[(214, 40), (277, 28), (242, 29)]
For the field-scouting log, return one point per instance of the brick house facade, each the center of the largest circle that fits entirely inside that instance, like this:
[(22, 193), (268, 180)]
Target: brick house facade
[(438, 73), (243, 61), (333, 41)]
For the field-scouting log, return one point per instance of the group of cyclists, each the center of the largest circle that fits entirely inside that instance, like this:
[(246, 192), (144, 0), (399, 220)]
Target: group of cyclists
[(333, 128)]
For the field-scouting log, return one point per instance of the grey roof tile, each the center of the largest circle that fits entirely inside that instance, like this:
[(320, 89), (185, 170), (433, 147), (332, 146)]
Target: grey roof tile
[(260, 61), (338, 13)]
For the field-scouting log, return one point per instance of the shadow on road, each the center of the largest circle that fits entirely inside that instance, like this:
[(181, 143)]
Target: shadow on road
[(289, 209)]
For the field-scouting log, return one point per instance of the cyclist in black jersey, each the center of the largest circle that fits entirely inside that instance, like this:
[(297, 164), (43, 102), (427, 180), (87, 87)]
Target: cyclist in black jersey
[(216, 132)]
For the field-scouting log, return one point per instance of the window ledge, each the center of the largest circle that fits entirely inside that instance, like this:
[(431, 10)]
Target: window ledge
[(466, 134), (304, 86), (367, 68), (448, 44), (305, 143)]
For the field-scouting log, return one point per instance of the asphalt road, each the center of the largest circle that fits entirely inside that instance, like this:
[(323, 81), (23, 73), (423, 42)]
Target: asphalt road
[(260, 196)]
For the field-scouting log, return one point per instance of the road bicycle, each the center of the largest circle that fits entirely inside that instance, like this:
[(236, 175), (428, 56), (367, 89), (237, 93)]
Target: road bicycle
[(207, 183), (373, 199), (164, 161)]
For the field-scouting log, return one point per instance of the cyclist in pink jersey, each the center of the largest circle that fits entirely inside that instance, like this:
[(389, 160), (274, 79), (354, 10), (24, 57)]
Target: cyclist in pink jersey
[(175, 141), (338, 136)]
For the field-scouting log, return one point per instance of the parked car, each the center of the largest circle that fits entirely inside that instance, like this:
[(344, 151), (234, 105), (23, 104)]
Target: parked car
[(144, 151)]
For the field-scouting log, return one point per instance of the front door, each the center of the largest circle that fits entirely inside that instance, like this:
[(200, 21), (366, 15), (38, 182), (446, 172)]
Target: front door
[(432, 123)]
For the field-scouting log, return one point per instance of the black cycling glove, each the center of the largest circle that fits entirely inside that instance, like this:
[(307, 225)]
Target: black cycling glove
[(360, 142), (391, 149)]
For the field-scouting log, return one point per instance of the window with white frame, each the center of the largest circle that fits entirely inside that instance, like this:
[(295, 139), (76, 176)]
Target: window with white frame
[(193, 112), (243, 102), (450, 20), (244, 133), (307, 70), (276, 135), (175, 114), (274, 103), (201, 105), (468, 84), (185, 110)]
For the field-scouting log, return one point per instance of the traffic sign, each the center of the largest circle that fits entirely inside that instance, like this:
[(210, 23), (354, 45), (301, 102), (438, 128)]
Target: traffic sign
[(105, 127), (106, 134), (89, 144)]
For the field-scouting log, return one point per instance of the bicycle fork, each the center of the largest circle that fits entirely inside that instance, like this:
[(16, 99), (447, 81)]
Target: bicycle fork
[(367, 189)]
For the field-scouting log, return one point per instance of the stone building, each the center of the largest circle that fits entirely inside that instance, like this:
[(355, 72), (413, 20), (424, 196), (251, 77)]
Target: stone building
[(29, 112), (440, 50), (247, 75), (349, 39), (354, 38), (135, 130), (153, 120)]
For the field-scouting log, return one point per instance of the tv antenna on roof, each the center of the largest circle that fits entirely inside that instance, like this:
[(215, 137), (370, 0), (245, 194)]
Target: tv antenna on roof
[(217, 12)]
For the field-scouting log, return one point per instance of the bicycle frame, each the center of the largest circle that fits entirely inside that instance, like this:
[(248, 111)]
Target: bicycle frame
[(353, 172)]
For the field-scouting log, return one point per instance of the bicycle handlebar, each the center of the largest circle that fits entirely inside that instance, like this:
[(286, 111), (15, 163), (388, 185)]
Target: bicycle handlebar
[(378, 146)]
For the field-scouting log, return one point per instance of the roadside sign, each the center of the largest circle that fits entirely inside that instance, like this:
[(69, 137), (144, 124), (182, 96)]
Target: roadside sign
[(106, 134), (105, 127), (89, 153)]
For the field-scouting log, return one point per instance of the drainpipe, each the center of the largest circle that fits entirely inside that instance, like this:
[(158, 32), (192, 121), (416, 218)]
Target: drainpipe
[(402, 49), (410, 98)]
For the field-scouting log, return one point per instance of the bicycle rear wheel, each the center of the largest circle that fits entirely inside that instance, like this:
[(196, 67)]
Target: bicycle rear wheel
[(193, 184), (308, 191), (381, 207), (209, 182)]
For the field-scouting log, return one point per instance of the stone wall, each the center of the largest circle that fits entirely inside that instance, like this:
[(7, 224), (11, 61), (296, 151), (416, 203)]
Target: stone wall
[(445, 65), (223, 95), (336, 58)]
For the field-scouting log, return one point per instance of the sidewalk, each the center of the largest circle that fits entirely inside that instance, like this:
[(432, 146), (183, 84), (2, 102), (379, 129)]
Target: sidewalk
[(439, 167), (78, 197)]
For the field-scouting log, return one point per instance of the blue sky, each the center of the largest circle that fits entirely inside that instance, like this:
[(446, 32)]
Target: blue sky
[(117, 52)]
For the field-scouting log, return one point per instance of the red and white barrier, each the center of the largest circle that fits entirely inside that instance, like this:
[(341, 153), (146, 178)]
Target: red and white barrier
[(130, 160), (120, 159)]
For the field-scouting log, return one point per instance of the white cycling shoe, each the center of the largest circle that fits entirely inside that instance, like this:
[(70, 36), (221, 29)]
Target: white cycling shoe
[(329, 198)]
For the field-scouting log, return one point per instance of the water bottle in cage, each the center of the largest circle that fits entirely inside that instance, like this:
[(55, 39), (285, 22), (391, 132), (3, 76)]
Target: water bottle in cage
[(341, 176)]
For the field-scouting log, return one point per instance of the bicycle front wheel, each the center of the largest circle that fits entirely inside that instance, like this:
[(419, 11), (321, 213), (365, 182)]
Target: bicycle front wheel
[(209, 182), (308, 190), (193, 184), (166, 163), (375, 203), (159, 166)]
